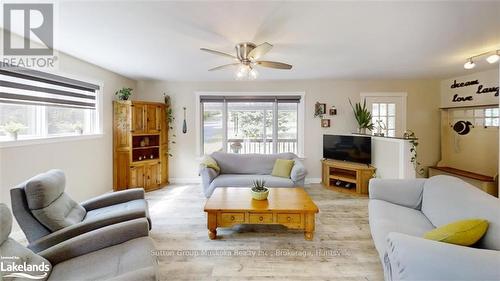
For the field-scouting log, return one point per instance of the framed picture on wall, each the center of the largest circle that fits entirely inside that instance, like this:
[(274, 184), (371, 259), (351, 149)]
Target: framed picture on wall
[(321, 108), (325, 123)]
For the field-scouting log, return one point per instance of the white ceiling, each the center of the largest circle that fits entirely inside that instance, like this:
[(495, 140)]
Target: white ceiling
[(341, 40)]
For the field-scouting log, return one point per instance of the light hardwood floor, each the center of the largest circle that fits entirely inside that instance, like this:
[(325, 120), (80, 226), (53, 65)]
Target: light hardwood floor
[(342, 239)]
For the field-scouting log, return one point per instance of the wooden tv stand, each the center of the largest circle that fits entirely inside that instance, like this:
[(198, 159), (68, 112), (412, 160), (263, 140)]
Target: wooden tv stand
[(356, 174)]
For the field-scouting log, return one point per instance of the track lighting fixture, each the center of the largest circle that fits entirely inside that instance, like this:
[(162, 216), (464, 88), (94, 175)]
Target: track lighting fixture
[(493, 57)]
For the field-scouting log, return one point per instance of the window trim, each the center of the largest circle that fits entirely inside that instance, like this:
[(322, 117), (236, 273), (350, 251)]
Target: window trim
[(300, 113), (99, 122)]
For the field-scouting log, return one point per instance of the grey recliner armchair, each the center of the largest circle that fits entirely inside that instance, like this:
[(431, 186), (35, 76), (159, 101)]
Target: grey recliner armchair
[(118, 252), (48, 216)]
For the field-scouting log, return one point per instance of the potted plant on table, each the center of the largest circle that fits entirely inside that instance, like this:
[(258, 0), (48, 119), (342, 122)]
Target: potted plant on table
[(259, 191), (363, 116), (13, 129)]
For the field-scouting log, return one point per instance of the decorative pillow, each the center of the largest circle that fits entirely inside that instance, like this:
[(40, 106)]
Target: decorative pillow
[(282, 168), (209, 162), (462, 232)]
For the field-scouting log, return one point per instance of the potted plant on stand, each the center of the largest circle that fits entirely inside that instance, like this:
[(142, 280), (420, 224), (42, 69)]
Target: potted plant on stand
[(13, 129), (363, 116), (259, 191)]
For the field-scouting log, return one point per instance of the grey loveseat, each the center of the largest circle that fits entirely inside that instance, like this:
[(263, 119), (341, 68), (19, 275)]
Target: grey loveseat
[(119, 252), (240, 170), (401, 211), (48, 216)]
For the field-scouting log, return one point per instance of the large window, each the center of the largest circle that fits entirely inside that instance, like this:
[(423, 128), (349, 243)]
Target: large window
[(41, 105), (250, 124), (480, 117)]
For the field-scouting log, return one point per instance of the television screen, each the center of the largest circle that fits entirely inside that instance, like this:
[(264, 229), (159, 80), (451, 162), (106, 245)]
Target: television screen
[(348, 148)]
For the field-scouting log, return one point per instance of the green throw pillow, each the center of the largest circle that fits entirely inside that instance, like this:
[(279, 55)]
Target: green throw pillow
[(209, 162), (282, 168), (462, 232)]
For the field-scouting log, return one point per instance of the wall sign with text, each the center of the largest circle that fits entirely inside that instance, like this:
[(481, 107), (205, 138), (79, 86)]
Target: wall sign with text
[(471, 90)]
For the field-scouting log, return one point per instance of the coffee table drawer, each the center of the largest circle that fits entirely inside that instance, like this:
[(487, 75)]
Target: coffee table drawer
[(289, 218), (261, 218), (229, 218)]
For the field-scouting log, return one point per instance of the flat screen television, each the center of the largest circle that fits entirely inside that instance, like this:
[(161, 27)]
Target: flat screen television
[(348, 148)]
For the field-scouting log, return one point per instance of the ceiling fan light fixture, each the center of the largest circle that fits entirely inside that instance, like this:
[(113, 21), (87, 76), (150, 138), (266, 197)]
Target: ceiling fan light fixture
[(469, 64), (253, 74)]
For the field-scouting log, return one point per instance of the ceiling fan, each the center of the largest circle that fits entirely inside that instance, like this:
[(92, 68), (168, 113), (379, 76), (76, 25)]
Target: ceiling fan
[(247, 57)]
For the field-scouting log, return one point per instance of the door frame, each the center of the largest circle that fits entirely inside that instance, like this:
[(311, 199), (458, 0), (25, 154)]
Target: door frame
[(402, 95)]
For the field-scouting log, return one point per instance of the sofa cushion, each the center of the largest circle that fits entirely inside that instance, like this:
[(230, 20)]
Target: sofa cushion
[(464, 232), (282, 168), (447, 199), (61, 213), (113, 262), (386, 217), (259, 164), (128, 210), (234, 180), (48, 202), (45, 188)]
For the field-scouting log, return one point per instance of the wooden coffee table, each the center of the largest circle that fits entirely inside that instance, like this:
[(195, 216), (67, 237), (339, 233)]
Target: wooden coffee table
[(291, 207)]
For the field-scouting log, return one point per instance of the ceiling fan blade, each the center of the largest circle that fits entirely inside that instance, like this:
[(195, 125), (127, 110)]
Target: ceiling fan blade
[(218, 53), (259, 51), (223, 66), (274, 64)]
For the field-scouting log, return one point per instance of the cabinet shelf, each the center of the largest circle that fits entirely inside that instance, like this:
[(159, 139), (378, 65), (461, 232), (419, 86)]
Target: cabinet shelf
[(357, 174), (146, 147), (343, 177)]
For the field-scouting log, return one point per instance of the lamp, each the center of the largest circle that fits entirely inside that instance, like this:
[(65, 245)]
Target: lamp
[(469, 64)]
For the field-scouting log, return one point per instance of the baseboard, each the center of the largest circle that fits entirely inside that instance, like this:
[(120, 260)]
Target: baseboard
[(184, 180), (313, 180), (198, 180)]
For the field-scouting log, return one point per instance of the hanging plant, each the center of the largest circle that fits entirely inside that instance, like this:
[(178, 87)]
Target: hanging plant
[(170, 119), (410, 135)]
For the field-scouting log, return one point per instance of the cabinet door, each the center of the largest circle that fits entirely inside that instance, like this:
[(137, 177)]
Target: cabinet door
[(164, 126), (153, 118), (121, 125), (137, 176), (138, 118), (121, 171), (153, 174), (164, 164)]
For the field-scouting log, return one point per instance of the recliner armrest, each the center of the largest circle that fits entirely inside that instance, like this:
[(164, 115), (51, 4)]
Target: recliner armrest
[(414, 258), (96, 240), (403, 192), (85, 226), (113, 198)]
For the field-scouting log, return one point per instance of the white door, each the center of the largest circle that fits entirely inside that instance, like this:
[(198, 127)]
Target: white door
[(388, 112)]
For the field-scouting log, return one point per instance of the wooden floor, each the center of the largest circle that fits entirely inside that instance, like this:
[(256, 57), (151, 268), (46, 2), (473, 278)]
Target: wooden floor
[(342, 248)]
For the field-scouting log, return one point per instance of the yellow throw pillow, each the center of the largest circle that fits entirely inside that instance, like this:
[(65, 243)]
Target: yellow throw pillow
[(282, 168), (462, 232), (209, 162)]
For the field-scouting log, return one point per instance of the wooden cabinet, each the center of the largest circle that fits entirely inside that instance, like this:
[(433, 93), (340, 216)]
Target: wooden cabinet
[(140, 141)]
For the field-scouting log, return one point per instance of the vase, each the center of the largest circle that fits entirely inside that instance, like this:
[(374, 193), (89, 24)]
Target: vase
[(260, 195), (362, 131), (13, 135)]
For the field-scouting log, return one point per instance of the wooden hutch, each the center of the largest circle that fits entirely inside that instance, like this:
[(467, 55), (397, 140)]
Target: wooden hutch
[(355, 175), (140, 145)]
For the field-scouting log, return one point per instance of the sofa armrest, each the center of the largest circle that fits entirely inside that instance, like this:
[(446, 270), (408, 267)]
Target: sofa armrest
[(299, 172), (406, 193), (207, 176), (96, 240), (113, 198), (414, 258)]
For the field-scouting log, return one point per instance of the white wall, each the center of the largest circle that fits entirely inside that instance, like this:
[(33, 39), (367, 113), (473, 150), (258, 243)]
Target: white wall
[(87, 163), (423, 113)]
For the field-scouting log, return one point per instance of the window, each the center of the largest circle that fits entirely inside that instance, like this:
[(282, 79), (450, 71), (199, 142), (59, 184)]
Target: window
[(384, 118), (34, 105), (259, 124), (479, 117)]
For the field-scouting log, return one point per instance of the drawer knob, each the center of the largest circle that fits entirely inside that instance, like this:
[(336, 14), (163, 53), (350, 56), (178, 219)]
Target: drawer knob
[(232, 218), (289, 218), (261, 218)]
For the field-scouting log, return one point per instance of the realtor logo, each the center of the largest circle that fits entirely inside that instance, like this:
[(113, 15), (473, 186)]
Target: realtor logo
[(36, 21)]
